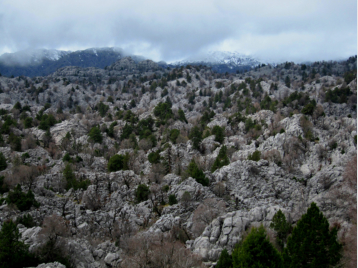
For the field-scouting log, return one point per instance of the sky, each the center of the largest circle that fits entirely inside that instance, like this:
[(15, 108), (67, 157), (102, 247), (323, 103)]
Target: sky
[(276, 30)]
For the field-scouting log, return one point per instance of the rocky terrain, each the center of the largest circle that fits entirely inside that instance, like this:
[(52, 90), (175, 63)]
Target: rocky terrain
[(114, 158)]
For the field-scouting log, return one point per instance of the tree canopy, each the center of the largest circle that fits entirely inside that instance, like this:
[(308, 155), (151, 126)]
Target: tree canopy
[(312, 244), (256, 251)]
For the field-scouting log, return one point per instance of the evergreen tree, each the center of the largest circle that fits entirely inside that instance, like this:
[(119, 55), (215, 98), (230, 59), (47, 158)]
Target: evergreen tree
[(219, 133), (142, 192), (196, 137), (281, 226), (195, 172), (256, 251), (225, 260), (3, 164), (312, 244), (182, 116), (95, 135), (118, 162), (221, 160), (23, 201), (13, 252)]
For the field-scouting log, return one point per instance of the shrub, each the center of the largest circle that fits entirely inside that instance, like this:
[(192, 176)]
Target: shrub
[(126, 132), (15, 142), (221, 160), (47, 121), (26, 220), (182, 116), (28, 122), (154, 157), (111, 129), (249, 124), (3, 164), (3, 186), (255, 156), (174, 133), (338, 95), (71, 180), (21, 200), (67, 158), (110, 99), (172, 199), (102, 109), (308, 109), (163, 111), (219, 133), (118, 162), (142, 193), (196, 173), (17, 106), (95, 135)]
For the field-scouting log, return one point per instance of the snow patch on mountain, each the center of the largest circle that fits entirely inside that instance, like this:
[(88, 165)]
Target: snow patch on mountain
[(231, 59)]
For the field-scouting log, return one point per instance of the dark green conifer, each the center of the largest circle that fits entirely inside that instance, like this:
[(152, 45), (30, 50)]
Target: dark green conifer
[(312, 244)]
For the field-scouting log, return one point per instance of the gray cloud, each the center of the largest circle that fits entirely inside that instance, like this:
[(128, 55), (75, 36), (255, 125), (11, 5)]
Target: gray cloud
[(296, 30)]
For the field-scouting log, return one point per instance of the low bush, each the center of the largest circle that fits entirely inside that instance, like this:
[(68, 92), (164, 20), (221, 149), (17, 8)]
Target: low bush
[(23, 201)]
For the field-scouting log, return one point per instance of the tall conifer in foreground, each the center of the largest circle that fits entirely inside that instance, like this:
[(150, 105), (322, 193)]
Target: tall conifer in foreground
[(312, 244)]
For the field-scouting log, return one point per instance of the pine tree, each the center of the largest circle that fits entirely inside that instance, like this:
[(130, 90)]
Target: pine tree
[(195, 172), (312, 244), (256, 251), (281, 226), (3, 164), (221, 160), (225, 260), (13, 252), (196, 137)]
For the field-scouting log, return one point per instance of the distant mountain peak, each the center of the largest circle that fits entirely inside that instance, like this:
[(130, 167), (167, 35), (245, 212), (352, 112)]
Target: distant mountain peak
[(222, 61)]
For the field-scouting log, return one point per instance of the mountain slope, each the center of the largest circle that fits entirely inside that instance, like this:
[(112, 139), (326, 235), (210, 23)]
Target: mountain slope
[(44, 62)]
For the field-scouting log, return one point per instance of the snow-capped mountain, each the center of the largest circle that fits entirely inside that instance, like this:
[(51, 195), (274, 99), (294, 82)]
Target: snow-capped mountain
[(222, 61), (41, 62)]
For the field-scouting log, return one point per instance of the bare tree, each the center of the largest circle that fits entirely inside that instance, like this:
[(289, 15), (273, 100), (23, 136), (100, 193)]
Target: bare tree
[(154, 250), (54, 230), (347, 192), (219, 189), (208, 210)]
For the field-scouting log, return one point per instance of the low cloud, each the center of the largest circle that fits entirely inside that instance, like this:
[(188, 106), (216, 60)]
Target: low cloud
[(170, 30)]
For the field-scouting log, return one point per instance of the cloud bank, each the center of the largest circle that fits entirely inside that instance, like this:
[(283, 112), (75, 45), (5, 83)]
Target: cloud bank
[(295, 30)]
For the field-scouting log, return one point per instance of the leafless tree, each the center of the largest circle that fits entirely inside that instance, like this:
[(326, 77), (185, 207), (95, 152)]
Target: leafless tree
[(54, 230), (208, 210), (219, 189), (157, 173), (347, 192), (153, 250)]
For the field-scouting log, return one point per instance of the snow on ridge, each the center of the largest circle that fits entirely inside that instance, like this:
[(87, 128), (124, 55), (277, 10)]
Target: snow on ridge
[(222, 57)]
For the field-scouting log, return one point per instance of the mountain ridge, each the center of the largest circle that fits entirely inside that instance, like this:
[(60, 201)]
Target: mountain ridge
[(41, 62)]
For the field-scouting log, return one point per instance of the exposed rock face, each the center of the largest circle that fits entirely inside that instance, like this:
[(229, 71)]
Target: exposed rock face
[(226, 231), (51, 265)]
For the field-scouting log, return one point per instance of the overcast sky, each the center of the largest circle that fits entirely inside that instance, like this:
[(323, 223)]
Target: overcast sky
[(279, 30)]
